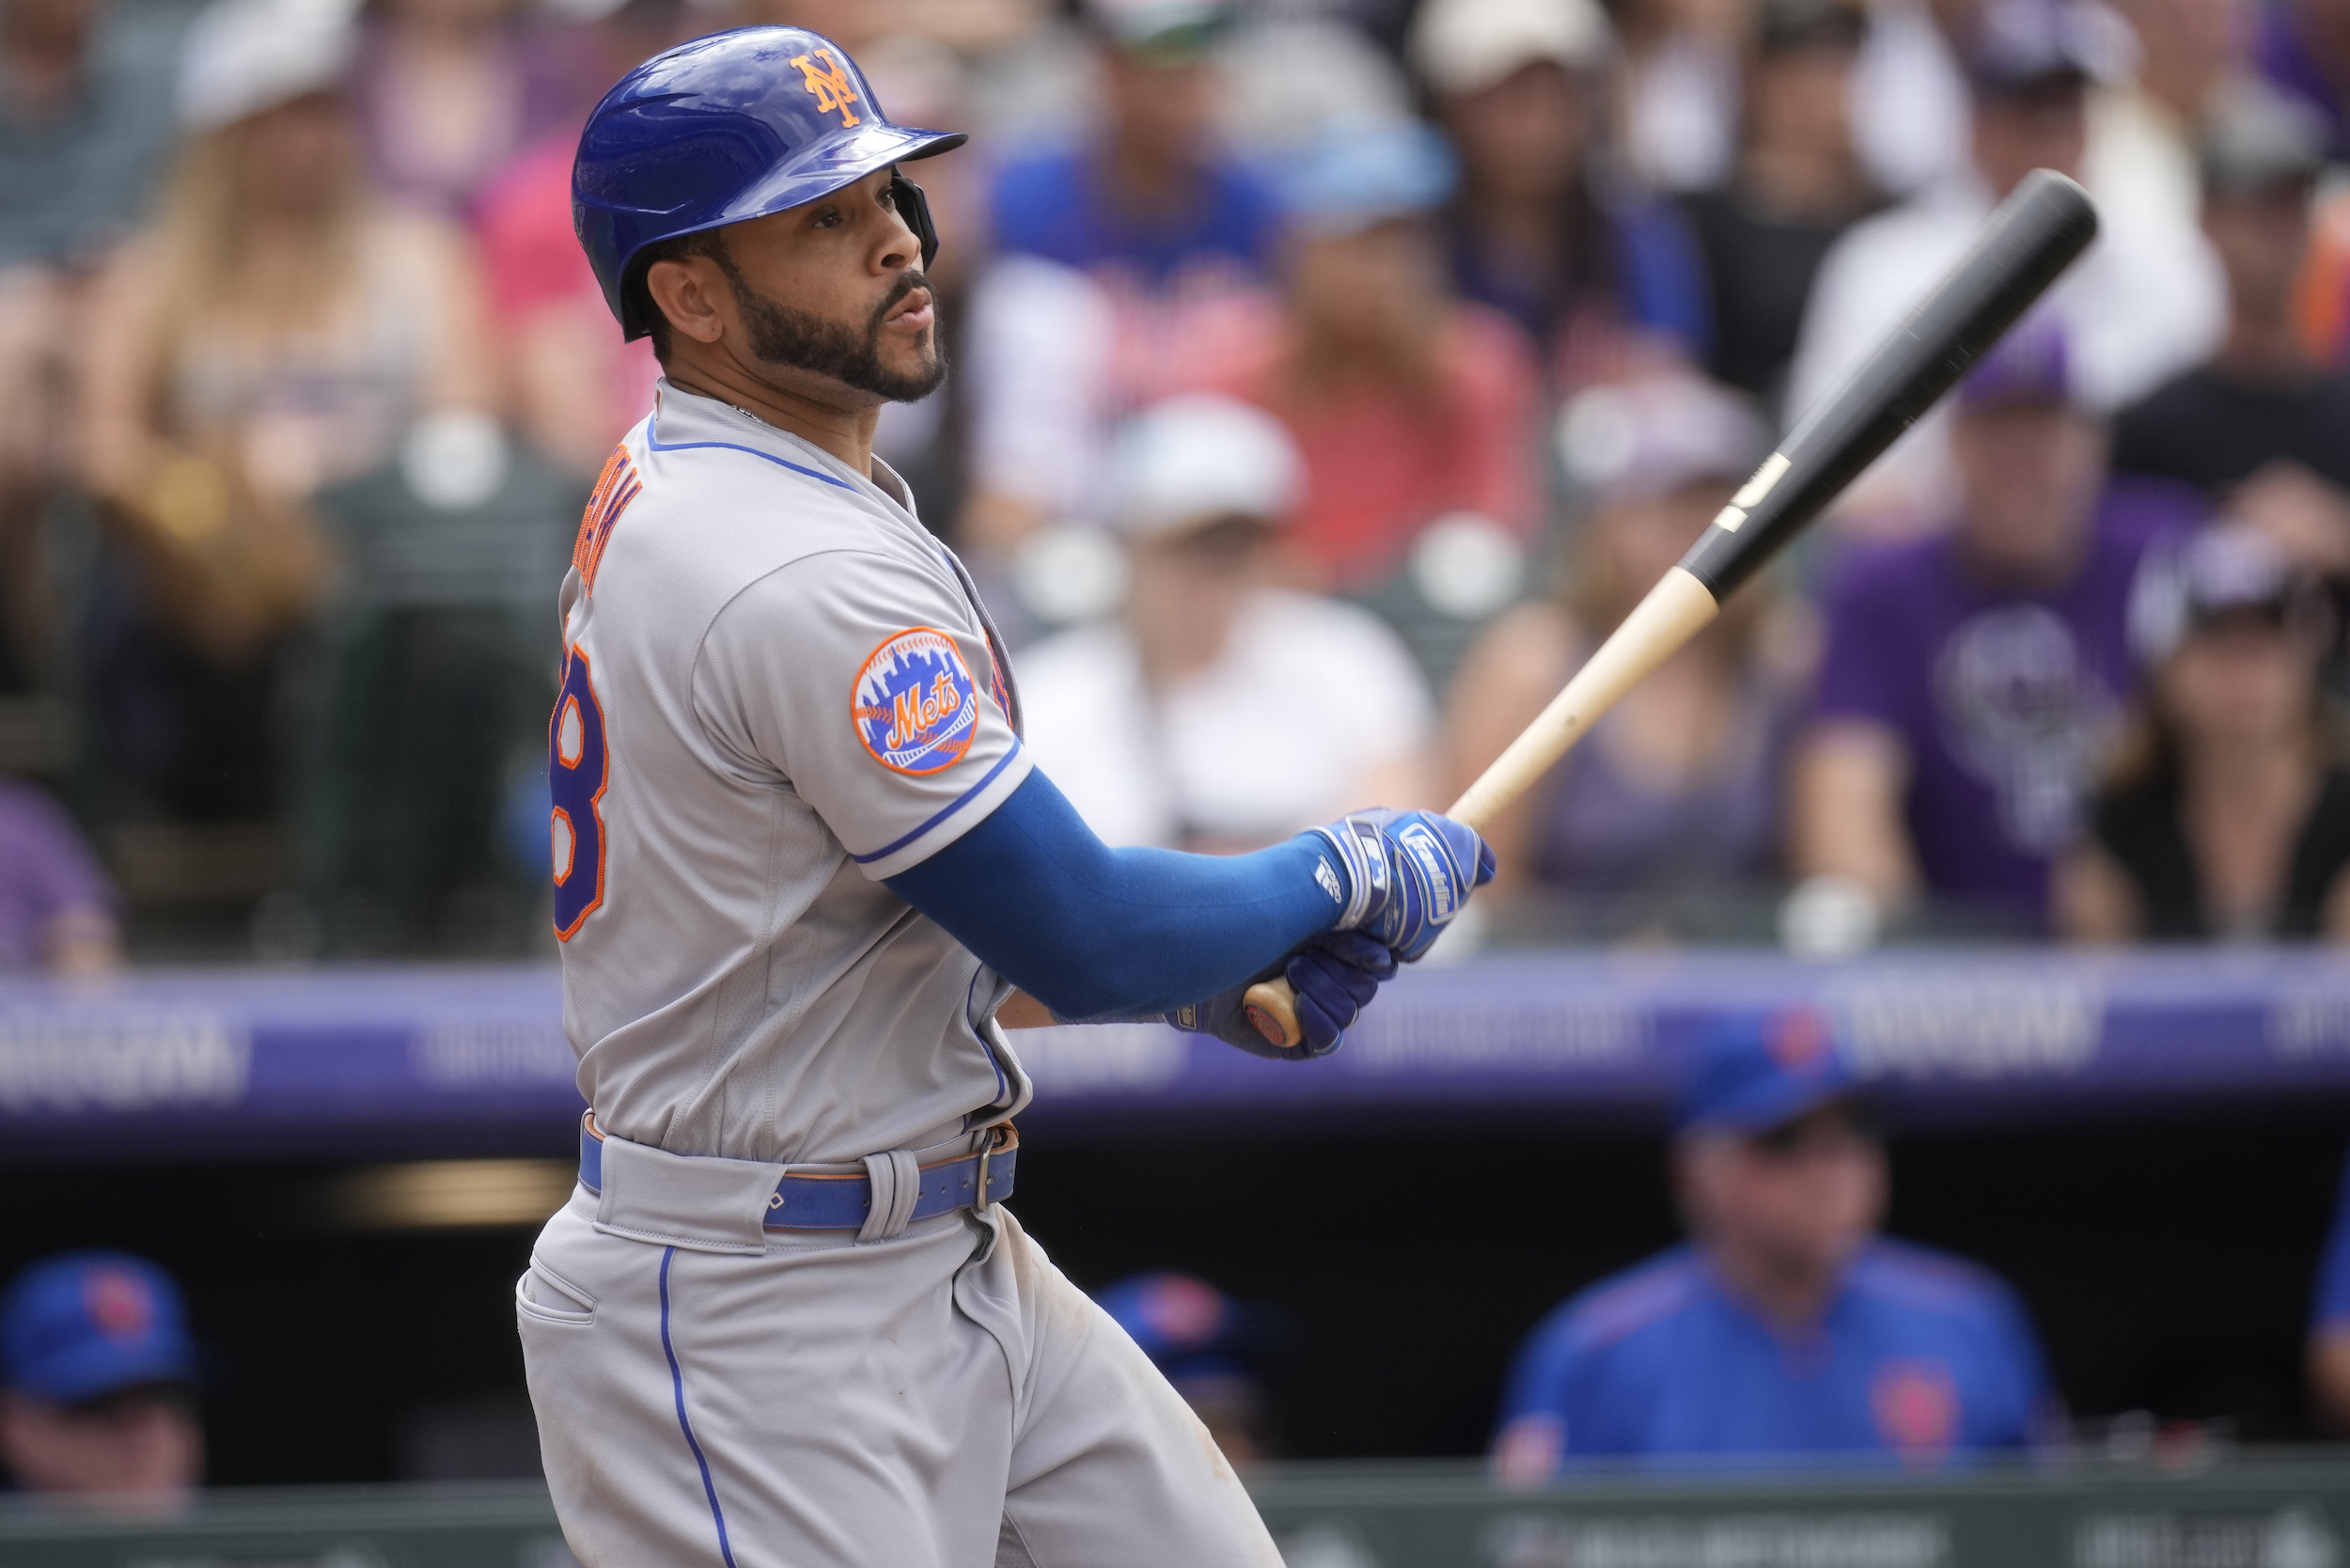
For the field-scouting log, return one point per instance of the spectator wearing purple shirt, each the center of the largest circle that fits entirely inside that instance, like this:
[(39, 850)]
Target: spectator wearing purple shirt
[(1973, 681), (56, 907)]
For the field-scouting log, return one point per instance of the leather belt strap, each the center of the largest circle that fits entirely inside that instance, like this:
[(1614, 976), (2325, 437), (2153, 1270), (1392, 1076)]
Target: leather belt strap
[(839, 1197)]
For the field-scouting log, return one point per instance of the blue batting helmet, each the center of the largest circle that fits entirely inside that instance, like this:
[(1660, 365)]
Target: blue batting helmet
[(725, 129)]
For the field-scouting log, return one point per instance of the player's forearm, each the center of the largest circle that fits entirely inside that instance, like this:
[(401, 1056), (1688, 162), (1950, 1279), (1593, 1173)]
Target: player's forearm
[(1093, 932)]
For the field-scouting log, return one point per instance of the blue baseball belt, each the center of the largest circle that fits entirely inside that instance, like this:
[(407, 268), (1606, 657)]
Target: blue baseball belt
[(840, 1198)]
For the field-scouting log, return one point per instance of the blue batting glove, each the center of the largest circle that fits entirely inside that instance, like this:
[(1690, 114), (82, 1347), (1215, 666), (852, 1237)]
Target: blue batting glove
[(1407, 874), (1335, 976)]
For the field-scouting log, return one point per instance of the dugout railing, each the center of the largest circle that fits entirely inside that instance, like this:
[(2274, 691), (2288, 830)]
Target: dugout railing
[(2288, 1508)]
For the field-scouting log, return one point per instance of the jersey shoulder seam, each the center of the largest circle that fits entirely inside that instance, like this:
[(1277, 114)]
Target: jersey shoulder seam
[(1929, 1280), (1616, 1309)]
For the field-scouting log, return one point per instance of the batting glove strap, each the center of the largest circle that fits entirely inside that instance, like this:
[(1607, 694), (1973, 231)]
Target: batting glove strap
[(1362, 857), (1335, 976), (1419, 867)]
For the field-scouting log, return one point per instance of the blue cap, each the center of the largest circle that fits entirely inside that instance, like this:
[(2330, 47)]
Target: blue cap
[(1359, 173), (82, 1325), (1187, 1326), (1758, 1070), (725, 129)]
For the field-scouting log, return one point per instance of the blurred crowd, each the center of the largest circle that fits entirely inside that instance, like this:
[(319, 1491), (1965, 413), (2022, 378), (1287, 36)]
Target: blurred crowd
[(1330, 376)]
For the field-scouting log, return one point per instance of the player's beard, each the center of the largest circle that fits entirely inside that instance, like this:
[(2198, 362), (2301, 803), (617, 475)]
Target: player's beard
[(783, 336)]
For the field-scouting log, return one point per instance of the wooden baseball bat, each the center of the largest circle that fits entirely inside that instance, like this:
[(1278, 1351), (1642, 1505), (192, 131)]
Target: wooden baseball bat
[(2024, 247)]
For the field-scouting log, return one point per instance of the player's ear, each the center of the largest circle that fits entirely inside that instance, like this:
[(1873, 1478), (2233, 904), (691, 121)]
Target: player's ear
[(685, 290)]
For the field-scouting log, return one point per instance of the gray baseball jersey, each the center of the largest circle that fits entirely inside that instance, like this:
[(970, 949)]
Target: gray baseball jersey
[(778, 689)]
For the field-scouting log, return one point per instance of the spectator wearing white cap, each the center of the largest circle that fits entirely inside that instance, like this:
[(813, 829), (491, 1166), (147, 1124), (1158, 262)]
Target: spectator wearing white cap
[(1670, 809), (1606, 281), (1218, 712), (273, 331)]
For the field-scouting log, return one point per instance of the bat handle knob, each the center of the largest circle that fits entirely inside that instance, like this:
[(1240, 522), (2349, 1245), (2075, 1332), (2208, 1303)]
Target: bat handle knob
[(1271, 1007)]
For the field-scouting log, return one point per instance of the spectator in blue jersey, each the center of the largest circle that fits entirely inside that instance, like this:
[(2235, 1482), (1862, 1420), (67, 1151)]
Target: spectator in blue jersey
[(1605, 280), (1114, 256), (1151, 196), (1212, 1348), (2330, 1323), (1785, 1325), (97, 1384)]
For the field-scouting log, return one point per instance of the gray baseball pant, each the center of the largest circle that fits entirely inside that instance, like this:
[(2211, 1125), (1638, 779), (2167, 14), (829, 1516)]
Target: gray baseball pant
[(709, 1392)]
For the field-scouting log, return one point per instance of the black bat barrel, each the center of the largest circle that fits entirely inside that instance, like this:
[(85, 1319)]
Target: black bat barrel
[(2025, 245)]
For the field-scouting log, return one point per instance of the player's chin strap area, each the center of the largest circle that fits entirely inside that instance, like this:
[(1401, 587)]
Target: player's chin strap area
[(877, 1196)]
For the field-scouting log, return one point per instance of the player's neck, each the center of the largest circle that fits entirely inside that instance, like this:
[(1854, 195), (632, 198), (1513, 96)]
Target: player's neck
[(1787, 1296), (843, 429)]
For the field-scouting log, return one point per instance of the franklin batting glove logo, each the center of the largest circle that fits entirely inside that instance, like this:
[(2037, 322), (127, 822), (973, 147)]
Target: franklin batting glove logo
[(1436, 870), (830, 85)]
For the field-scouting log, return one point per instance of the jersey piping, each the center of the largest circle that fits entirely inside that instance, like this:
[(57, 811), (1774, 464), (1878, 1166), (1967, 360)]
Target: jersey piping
[(653, 440), (944, 811)]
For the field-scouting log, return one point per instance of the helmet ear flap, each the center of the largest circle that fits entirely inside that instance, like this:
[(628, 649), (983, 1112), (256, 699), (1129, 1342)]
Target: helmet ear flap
[(915, 208)]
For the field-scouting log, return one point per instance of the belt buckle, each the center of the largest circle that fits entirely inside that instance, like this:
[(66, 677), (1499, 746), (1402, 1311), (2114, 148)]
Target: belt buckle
[(994, 1141)]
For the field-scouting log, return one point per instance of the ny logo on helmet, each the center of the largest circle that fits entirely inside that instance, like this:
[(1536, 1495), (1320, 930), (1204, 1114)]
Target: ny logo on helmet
[(830, 83)]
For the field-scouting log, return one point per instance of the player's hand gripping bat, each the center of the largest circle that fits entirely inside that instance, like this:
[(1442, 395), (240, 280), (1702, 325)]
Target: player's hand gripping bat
[(2032, 237)]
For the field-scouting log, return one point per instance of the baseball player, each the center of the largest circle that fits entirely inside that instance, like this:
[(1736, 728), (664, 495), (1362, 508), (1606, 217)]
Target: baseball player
[(802, 862), (1786, 1325)]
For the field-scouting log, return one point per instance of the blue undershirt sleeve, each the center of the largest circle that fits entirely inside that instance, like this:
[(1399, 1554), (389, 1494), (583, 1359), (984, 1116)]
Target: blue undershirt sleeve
[(2331, 1313), (1095, 933)]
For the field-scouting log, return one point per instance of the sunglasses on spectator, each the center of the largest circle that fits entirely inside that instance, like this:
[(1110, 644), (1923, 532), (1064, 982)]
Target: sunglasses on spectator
[(1226, 541), (121, 1405), (1833, 1132)]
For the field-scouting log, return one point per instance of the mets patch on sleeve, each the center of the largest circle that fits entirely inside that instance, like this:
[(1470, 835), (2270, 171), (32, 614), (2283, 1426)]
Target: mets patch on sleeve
[(913, 702)]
